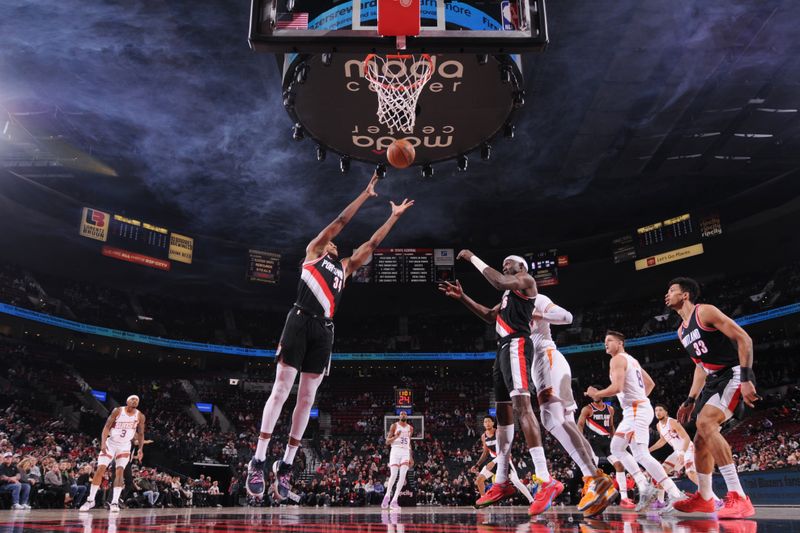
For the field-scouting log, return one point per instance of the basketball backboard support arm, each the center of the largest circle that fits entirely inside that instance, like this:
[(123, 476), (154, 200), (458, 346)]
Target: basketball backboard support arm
[(278, 30)]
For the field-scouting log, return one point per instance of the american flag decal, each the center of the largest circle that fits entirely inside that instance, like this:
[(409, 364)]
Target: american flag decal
[(292, 21)]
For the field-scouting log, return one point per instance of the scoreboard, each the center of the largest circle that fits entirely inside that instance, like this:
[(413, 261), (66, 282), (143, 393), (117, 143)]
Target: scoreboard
[(263, 266), (407, 265), (403, 399), (667, 240), (544, 266), (132, 240)]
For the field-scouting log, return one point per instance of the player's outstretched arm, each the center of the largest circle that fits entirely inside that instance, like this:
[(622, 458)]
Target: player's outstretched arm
[(454, 291), (498, 280), (316, 247), (708, 314), (554, 314), (363, 252)]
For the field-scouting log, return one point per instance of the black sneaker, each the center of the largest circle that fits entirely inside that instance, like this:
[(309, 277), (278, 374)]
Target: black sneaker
[(283, 478), (255, 478)]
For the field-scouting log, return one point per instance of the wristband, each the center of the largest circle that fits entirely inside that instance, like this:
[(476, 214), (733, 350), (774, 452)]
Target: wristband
[(747, 374), (690, 400), (480, 265)]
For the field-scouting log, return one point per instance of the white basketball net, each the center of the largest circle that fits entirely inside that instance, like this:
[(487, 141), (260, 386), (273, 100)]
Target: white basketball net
[(398, 80)]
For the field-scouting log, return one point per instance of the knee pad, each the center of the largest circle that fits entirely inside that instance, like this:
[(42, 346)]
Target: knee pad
[(552, 414)]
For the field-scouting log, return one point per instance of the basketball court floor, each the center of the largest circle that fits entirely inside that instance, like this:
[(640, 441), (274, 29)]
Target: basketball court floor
[(372, 520)]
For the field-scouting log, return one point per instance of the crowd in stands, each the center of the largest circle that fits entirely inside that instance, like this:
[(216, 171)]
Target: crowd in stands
[(250, 326)]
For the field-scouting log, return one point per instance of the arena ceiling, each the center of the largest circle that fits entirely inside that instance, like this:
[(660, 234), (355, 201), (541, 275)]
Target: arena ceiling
[(637, 110)]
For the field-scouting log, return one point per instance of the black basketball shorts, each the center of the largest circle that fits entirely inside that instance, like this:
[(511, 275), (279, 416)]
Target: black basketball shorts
[(512, 367), (306, 342)]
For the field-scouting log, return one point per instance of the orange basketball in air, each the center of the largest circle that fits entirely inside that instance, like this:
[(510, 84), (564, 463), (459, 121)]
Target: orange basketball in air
[(400, 153)]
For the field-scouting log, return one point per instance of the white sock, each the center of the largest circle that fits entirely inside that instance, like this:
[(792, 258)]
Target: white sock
[(622, 481), (505, 436), (288, 455), (117, 492), (732, 479), (92, 493), (401, 481), (540, 463), (261, 449), (517, 482), (704, 485), (563, 437), (671, 488)]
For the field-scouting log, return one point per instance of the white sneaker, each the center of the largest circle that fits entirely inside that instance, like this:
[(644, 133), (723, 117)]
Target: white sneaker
[(670, 508), (114, 507), (17, 507), (646, 497), (26, 506), (88, 505)]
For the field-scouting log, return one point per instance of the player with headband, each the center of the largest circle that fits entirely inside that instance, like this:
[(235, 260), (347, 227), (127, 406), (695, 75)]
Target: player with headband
[(510, 375)]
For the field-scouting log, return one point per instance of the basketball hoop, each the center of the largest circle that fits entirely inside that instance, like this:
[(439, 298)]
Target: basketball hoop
[(398, 79)]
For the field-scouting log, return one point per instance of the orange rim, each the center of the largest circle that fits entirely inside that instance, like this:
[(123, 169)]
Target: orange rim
[(419, 82)]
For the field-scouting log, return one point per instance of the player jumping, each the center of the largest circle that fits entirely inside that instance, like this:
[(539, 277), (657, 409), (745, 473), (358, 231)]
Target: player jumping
[(307, 338)]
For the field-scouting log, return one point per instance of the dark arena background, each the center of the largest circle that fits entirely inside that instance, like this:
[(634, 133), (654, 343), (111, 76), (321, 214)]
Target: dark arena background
[(166, 169)]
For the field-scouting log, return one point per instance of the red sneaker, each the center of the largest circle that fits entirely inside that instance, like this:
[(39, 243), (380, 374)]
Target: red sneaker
[(736, 507), (695, 504), (627, 503), (498, 493), (545, 496)]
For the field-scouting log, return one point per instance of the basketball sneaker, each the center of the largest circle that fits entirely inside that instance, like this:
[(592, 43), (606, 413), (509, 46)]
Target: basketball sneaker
[(283, 478), (114, 507), (736, 507), (498, 493), (88, 505), (595, 490), (694, 503), (627, 503), (545, 496), (255, 478), (394, 506), (669, 508), (646, 497), (385, 502)]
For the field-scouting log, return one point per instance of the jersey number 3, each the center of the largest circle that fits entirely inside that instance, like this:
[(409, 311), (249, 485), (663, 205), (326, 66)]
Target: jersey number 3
[(700, 347)]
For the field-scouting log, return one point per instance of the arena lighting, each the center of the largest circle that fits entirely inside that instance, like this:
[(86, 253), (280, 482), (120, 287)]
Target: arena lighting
[(344, 163), (145, 318), (486, 151), (297, 132)]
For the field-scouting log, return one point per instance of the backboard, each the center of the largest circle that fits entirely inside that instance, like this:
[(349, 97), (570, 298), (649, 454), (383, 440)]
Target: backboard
[(453, 26)]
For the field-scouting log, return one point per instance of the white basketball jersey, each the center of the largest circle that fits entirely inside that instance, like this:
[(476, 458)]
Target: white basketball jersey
[(540, 329), (404, 439), (670, 435), (633, 390), (125, 426)]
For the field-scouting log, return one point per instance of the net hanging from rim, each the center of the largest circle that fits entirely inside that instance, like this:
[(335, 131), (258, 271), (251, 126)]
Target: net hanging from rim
[(398, 80)]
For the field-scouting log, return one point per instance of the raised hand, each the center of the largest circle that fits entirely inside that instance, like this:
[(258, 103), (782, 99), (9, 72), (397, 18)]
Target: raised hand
[(466, 255), (370, 190), (591, 392), (453, 290), (398, 210)]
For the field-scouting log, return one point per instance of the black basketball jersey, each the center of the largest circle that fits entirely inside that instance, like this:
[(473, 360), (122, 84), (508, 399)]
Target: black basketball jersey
[(491, 443), (706, 345), (321, 284), (599, 423), (516, 313)]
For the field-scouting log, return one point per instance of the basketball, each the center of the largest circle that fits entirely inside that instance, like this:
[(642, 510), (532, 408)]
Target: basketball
[(400, 153)]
